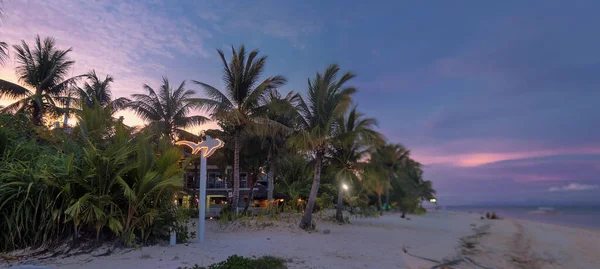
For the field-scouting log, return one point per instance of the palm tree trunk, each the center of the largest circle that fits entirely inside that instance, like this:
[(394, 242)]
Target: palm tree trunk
[(387, 192), (271, 183), (36, 115), (379, 203), (66, 119), (236, 174), (339, 215), (306, 222)]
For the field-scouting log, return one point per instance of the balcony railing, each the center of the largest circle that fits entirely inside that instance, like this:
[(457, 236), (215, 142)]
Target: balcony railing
[(214, 181)]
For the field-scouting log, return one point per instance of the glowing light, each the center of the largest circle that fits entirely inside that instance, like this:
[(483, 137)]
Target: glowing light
[(345, 187), (210, 218), (281, 200), (209, 145), (433, 200)]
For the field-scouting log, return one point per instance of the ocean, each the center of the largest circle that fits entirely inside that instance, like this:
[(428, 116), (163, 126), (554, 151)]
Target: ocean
[(572, 216)]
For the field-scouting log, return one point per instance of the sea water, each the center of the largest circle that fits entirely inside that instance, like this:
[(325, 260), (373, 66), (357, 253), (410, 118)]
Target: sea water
[(572, 216)]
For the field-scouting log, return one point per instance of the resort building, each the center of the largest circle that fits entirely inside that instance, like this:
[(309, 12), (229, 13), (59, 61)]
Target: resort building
[(219, 188)]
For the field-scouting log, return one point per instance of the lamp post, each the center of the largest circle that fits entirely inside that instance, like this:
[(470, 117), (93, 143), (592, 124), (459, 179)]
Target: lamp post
[(205, 149)]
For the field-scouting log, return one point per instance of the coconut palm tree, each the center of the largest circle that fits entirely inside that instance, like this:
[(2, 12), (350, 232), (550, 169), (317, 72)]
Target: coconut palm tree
[(97, 90), (167, 110), (282, 110), (415, 189), (239, 104), (354, 137), (44, 69), (392, 159), (328, 99), (374, 181)]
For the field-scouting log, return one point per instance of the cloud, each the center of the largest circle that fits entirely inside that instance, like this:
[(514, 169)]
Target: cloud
[(573, 187), (132, 41), (126, 39), (280, 20)]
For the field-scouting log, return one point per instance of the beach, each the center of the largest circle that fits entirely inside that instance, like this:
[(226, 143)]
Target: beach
[(369, 243)]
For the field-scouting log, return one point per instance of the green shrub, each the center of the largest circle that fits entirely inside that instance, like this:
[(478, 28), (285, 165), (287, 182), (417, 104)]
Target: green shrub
[(325, 201), (238, 262)]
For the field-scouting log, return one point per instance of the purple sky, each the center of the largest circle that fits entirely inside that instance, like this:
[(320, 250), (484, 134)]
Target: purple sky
[(498, 99)]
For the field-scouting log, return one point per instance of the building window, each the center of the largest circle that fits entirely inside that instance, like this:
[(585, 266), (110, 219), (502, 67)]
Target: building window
[(215, 181), (190, 181), (243, 180)]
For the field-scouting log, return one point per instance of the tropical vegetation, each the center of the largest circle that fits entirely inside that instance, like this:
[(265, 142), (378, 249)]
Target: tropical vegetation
[(99, 179)]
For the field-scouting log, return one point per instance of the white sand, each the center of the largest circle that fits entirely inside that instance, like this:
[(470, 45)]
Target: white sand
[(373, 243)]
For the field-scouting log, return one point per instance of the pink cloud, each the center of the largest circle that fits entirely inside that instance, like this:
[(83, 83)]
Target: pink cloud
[(126, 40)]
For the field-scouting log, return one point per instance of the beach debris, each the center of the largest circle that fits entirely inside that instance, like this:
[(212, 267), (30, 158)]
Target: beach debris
[(410, 261), (326, 231), (268, 238), (145, 256), (175, 258)]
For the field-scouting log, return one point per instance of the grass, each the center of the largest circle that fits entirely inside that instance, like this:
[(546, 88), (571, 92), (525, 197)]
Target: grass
[(239, 262)]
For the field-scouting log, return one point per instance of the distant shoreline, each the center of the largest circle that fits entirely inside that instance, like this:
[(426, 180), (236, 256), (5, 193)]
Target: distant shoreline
[(567, 216)]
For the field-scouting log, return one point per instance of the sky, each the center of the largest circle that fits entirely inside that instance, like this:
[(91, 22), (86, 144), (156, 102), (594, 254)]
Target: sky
[(498, 99)]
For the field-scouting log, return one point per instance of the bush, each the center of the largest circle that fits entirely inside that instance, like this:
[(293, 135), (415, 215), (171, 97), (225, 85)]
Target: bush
[(98, 182), (419, 211), (238, 262), (324, 201)]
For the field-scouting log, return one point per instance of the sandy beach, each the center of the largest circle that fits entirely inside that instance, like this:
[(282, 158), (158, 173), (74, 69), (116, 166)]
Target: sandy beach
[(371, 243)]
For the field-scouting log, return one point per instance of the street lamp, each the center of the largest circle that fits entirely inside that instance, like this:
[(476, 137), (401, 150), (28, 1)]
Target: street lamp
[(344, 186), (433, 200), (205, 148)]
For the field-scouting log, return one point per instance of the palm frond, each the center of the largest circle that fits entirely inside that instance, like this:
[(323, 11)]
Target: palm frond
[(12, 91), (3, 53)]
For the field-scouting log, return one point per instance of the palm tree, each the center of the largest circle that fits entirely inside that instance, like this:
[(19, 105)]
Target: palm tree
[(282, 110), (392, 160), (167, 110), (354, 137), (415, 188), (98, 91), (44, 69), (239, 105), (375, 182), (328, 100), (95, 92)]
